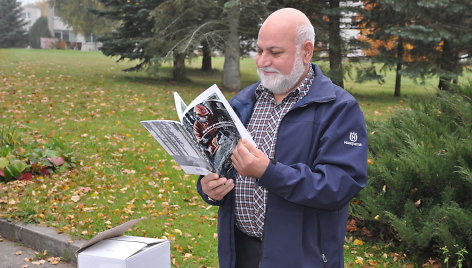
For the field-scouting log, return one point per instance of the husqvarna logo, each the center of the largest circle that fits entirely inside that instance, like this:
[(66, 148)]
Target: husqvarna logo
[(353, 140), (353, 136)]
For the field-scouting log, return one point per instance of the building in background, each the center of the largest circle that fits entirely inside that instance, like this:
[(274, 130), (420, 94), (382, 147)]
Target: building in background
[(30, 14), (64, 36)]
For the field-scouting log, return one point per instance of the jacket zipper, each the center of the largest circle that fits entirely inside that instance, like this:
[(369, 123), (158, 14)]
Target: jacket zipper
[(323, 257), (320, 242)]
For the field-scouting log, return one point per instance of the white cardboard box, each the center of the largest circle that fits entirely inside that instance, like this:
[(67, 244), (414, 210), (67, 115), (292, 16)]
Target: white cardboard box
[(109, 249)]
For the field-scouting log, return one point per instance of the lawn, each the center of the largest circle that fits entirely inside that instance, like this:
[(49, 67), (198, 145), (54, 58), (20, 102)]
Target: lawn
[(86, 101)]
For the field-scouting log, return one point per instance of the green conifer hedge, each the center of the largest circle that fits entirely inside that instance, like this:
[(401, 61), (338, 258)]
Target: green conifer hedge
[(420, 176)]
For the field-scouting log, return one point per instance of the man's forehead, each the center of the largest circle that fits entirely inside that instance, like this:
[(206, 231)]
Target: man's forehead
[(269, 47)]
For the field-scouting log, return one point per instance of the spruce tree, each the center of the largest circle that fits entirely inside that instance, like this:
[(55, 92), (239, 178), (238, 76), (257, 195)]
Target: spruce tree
[(430, 36), (133, 31), (38, 30), (12, 33), (420, 167)]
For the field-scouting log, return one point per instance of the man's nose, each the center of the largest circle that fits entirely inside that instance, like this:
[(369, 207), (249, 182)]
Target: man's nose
[(263, 60)]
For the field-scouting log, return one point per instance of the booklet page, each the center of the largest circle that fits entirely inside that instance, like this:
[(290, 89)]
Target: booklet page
[(180, 145)]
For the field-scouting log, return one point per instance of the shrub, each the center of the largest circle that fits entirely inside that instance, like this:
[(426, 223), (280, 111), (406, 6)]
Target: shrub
[(420, 177), (38, 30), (23, 155)]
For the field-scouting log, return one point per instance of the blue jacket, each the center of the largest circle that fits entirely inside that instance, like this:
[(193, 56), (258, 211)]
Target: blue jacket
[(321, 154)]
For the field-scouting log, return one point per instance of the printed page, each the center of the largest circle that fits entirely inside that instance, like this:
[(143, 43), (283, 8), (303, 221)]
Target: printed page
[(180, 106), (214, 93), (175, 139), (214, 126)]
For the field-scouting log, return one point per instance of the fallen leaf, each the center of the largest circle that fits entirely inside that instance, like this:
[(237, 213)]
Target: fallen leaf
[(54, 260), (372, 262), (57, 161), (359, 260), (367, 232), (75, 198), (40, 262), (351, 226), (418, 203), (358, 242)]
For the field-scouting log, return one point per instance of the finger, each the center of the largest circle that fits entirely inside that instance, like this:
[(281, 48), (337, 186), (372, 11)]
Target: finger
[(217, 183), (210, 177), (223, 189), (252, 149)]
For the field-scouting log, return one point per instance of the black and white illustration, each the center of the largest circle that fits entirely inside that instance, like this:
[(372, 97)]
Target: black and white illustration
[(203, 140)]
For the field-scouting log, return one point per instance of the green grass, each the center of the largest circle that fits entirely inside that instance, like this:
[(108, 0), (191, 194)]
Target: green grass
[(85, 100)]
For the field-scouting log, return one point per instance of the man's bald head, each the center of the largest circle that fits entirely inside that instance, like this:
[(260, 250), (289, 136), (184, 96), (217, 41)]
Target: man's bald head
[(285, 48), (290, 21)]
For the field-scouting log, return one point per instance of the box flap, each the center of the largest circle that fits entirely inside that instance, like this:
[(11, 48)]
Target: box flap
[(110, 248), (139, 239), (113, 232)]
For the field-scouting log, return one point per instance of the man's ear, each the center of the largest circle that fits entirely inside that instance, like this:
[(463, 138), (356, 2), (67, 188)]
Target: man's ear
[(307, 52)]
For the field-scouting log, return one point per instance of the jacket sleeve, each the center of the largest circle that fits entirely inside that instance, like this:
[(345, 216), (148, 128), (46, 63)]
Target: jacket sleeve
[(339, 169)]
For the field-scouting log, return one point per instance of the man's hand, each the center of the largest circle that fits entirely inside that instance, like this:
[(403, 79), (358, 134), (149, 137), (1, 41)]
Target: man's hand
[(215, 187), (248, 160)]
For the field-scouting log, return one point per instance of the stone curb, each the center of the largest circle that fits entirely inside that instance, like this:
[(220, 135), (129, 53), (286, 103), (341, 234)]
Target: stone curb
[(41, 238)]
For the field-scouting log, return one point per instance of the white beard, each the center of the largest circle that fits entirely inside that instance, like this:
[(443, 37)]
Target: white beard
[(279, 83)]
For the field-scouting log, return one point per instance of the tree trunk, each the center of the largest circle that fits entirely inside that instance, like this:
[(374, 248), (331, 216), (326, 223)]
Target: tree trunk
[(448, 65), (178, 70), (206, 56), (231, 73), (335, 43), (398, 75)]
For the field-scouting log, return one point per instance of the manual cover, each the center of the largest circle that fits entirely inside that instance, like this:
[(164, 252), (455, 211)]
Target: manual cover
[(203, 140)]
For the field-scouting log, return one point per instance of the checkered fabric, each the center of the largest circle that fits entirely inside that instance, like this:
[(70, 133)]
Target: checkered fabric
[(251, 199)]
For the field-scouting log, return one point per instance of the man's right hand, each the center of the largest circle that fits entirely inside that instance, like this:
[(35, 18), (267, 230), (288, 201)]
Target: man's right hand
[(215, 187)]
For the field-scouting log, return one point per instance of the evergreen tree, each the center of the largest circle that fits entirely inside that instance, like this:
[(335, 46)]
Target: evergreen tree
[(420, 181), (133, 31), (12, 33), (377, 21), (38, 30), (181, 26), (429, 36)]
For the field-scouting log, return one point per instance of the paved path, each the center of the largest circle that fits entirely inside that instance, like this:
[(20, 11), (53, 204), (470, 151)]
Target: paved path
[(19, 242), (16, 255)]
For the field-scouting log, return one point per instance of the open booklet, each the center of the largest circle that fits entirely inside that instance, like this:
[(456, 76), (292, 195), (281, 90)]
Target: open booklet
[(203, 140)]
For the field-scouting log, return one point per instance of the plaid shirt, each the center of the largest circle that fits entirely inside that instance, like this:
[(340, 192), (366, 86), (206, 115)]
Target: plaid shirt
[(251, 199)]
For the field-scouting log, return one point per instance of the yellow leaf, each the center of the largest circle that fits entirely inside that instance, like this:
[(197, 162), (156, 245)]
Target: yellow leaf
[(359, 260), (358, 242), (178, 231)]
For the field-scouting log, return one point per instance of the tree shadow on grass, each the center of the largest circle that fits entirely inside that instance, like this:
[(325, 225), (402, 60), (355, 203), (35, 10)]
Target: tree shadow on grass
[(195, 78)]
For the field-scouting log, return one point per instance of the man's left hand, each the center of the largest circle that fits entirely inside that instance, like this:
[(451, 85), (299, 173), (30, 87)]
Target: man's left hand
[(248, 160)]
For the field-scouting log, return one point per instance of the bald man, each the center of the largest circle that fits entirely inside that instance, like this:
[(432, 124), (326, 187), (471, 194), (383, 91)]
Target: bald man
[(286, 202)]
